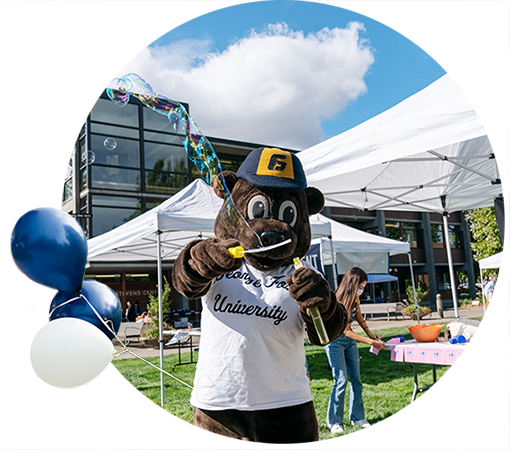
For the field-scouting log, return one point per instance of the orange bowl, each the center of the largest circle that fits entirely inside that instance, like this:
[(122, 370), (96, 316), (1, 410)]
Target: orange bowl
[(425, 333)]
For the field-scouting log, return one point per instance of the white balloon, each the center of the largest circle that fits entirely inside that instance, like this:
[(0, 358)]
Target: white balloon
[(69, 352)]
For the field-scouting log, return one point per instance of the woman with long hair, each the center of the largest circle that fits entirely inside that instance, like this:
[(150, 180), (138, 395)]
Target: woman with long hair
[(489, 287), (343, 356)]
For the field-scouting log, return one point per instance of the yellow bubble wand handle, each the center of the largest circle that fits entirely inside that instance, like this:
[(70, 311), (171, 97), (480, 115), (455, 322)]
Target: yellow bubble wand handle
[(316, 315), (236, 252)]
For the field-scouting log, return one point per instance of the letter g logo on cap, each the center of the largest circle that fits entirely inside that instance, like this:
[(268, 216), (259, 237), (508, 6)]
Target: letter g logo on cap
[(275, 162)]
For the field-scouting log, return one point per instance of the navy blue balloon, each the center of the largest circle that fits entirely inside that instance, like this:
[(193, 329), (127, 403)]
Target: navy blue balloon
[(50, 247), (100, 296)]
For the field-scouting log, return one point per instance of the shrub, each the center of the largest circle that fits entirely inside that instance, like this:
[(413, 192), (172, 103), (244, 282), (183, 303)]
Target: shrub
[(152, 329), (410, 309)]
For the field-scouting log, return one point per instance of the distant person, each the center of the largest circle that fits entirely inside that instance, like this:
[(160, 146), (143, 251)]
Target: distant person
[(484, 283), (142, 316), (130, 312), (489, 287), (343, 356), (379, 295)]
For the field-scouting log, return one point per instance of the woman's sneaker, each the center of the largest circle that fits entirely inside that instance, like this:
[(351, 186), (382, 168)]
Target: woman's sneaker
[(336, 428), (361, 423)]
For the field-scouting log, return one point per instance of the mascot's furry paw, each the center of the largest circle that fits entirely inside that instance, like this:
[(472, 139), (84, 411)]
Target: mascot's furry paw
[(309, 289), (210, 258)]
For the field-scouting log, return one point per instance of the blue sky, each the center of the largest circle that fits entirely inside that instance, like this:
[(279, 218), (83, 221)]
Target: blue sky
[(406, 55)]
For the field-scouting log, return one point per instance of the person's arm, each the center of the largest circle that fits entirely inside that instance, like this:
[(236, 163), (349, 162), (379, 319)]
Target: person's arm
[(360, 338), (363, 324)]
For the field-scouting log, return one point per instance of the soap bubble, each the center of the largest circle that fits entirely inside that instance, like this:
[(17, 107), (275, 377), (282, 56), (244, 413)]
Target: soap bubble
[(110, 143), (89, 157), (197, 146)]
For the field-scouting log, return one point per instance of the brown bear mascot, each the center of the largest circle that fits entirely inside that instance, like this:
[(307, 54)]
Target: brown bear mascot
[(251, 381)]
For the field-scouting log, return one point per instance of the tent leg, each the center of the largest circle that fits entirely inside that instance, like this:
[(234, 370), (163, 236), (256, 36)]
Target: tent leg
[(414, 287), (483, 293), (450, 264), (160, 317), (333, 261)]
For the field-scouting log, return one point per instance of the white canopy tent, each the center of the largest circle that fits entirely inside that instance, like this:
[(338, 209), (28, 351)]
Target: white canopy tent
[(350, 247), (491, 262), (428, 153)]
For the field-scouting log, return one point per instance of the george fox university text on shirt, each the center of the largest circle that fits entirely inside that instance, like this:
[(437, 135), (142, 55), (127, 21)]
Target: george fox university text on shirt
[(252, 354)]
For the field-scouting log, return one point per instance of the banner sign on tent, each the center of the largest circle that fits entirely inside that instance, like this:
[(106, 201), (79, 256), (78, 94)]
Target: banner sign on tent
[(369, 262), (313, 257)]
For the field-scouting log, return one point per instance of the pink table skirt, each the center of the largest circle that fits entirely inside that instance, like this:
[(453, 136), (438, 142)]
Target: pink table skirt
[(441, 353)]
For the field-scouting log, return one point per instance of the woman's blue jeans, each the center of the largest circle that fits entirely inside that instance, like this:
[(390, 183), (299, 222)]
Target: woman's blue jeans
[(343, 358)]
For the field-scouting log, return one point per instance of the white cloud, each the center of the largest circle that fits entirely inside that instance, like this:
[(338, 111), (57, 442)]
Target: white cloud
[(273, 87)]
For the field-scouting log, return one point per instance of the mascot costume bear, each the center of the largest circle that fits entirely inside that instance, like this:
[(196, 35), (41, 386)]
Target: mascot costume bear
[(251, 380)]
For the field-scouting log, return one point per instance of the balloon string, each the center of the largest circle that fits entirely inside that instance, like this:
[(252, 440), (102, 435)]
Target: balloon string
[(62, 304), (110, 329), (153, 365)]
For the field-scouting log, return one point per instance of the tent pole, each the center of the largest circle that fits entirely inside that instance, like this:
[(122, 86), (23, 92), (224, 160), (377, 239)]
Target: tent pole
[(414, 287), (160, 314), (483, 293), (450, 264), (333, 261)]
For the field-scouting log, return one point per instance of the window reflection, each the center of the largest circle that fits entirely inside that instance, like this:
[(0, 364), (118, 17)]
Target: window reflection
[(106, 219), (165, 157), (115, 178), (165, 182), (126, 152)]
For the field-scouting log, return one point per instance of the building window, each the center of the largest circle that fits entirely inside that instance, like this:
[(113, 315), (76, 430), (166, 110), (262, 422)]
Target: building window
[(114, 131), (116, 201), (437, 235), (165, 182), (155, 121), (115, 178), (393, 231), (443, 279), (171, 158), (115, 152), (108, 218), (83, 179), (405, 231), (68, 189), (455, 236)]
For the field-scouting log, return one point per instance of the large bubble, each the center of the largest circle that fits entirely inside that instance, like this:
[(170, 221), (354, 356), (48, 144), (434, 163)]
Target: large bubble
[(197, 146)]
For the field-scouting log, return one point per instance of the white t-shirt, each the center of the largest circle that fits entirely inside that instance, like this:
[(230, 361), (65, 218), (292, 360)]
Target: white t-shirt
[(252, 354)]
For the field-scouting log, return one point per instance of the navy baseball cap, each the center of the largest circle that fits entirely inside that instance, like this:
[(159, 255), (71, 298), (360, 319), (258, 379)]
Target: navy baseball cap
[(273, 169)]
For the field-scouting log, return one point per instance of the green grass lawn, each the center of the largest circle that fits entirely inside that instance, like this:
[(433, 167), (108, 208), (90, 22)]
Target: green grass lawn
[(387, 386)]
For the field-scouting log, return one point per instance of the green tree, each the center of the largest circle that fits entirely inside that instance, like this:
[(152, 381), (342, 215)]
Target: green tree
[(485, 237)]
